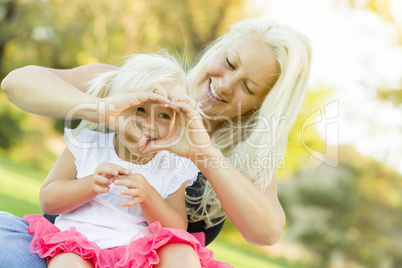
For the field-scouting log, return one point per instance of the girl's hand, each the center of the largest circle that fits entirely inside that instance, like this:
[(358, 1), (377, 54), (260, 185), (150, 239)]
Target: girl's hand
[(189, 138), (138, 187), (104, 175)]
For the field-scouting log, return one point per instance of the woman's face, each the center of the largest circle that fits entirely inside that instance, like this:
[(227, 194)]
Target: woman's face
[(236, 78)]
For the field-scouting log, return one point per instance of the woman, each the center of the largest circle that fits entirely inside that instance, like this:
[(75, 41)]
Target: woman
[(250, 84)]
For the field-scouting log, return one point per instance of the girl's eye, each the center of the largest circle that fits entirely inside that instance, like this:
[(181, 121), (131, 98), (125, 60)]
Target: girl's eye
[(140, 110), (230, 64), (164, 115)]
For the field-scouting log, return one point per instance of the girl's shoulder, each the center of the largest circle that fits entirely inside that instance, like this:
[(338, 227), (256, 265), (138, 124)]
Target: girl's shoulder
[(184, 169), (86, 138)]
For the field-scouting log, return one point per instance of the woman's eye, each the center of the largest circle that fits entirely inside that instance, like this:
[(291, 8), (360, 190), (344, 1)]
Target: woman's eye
[(248, 89), (163, 115), (230, 64)]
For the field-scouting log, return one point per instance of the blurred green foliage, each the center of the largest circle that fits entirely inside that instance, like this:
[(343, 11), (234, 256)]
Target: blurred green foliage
[(349, 215), (11, 120)]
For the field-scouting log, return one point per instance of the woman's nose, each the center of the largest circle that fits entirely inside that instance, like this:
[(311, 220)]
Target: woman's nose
[(226, 85)]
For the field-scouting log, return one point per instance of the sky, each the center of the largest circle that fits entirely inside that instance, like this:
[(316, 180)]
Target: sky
[(354, 52)]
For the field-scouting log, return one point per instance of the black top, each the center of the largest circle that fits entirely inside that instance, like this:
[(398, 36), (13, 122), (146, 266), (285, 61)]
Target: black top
[(194, 190), (197, 189)]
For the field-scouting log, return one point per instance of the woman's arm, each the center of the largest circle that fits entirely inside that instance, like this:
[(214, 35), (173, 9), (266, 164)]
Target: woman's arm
[(257, 215), (170, 212), (61, 93), (53, 92)]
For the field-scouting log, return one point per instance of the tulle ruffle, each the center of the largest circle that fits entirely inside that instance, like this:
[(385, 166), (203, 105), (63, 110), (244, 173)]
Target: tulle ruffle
[(48, 241)]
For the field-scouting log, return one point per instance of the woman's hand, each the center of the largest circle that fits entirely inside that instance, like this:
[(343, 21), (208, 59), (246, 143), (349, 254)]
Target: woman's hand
[(110, 108), (188, 138), (111, 111), (104, 175), (137, 187)]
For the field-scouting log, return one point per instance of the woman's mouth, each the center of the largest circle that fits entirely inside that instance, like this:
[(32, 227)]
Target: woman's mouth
[(213, 94)]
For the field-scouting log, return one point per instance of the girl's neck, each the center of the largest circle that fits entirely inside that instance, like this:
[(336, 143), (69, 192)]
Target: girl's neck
[(134, 156)]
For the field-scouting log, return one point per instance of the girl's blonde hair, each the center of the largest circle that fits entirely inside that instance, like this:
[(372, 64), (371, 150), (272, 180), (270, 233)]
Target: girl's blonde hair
[(138, 70), (242, 140)]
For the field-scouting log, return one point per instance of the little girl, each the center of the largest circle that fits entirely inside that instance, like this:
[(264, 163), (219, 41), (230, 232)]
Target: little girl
[(117, 206)]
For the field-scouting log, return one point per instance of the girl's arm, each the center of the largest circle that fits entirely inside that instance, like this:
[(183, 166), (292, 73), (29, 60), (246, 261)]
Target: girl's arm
[(61, 192), (53, 92), (170, 212)]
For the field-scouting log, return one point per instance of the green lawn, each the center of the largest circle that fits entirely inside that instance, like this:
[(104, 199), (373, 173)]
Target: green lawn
[(19, 192)]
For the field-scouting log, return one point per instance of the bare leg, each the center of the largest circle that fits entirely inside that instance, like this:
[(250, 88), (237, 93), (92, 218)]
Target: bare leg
[(178, 256), (69, 260)]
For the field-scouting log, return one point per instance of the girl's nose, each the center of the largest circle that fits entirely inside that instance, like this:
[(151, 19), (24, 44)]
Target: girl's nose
[(146, 122), (149, 123)]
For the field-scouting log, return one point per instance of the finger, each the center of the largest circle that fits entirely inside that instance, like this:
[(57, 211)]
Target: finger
[(184, 99), (132, 192), (136, 99), (158, 89), (132, 202), (154, 87), (111, 169), (101, 179), (188, 110), (129, 134), (130, 181), (156, 146), (100, 189)]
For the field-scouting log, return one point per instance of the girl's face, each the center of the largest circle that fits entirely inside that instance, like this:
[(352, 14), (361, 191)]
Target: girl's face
[(155, 121), (236, 78)]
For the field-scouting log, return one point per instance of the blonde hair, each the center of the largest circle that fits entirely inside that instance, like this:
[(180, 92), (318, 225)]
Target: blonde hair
[(279, 109), (138, 70)]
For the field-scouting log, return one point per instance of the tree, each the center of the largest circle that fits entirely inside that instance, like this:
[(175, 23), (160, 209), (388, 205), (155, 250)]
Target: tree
[(349, 215)]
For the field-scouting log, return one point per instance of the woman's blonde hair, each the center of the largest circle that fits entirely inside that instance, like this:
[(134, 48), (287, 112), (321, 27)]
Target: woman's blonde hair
[(242, 140), (138, 70)]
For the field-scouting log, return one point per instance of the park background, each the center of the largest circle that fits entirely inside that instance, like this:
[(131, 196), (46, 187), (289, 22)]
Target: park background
[(341, 183)]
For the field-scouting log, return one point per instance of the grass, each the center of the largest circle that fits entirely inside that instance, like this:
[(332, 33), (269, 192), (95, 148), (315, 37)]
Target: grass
[(19, 188), (239, 257), (19, 194)]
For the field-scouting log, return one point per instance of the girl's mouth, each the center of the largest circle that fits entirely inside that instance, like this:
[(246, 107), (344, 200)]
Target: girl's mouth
[(149, 138)]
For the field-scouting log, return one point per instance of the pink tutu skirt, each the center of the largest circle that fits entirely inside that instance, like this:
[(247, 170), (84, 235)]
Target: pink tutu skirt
[(48, 241)]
